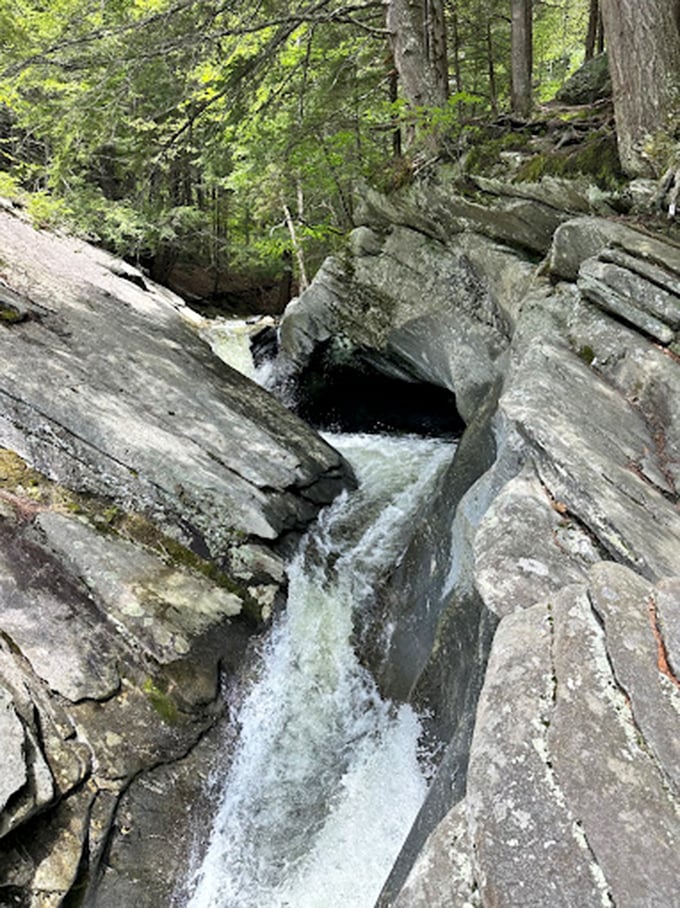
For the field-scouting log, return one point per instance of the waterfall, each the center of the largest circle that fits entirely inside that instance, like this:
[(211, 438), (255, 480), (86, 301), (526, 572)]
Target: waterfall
[(326, 778)]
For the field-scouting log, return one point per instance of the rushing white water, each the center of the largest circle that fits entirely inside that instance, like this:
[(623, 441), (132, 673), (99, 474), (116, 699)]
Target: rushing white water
[(326, 781), (230, 340)]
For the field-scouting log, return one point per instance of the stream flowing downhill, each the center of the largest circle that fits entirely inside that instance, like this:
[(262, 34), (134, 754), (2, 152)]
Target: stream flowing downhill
[(326, 779)]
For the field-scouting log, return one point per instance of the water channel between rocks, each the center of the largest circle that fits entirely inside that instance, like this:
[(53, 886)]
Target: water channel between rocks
[(326, 779)]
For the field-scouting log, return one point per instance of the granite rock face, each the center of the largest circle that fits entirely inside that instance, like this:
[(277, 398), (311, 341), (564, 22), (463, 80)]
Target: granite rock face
[(130, 403), (144, 487), (546, 645)]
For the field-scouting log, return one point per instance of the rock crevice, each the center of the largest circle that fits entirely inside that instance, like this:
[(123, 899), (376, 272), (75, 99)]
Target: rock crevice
[(563, 788)]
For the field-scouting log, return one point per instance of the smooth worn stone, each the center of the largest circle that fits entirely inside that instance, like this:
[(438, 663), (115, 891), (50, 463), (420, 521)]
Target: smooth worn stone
[(648, 303), (563, 195), (506, 273), (419, 305), (611, 781), (56, 755), (442, 875), (307, 321), (54, 625), (44, 866), (525, 549), (581, 238), (525, 843), (627, 607), (647, 375), (59, 847), (38, 789), (667, 598), (439, 209), (130, 403), (154, 606), (130, 732), (586, 442), (134, 871), (12, 735), (654, 275)]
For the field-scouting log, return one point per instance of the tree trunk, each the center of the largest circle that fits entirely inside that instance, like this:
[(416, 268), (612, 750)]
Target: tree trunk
[(394, 94), (456, 52), (416, 38), (493, 95), (522, 56), (297, 247), (591, 36), (600, 33), (643, 41), (436, 47)]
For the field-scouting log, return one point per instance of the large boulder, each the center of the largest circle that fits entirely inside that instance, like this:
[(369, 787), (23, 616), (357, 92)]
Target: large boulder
[(122, 398), (591, 82), (558, 524), (432, 285), (423, 311), (146, 492)]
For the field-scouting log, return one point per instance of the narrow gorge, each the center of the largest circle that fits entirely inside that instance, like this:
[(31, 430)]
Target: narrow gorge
[(510, 637)]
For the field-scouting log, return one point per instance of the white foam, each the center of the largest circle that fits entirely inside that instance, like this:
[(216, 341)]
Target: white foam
[(325, 782)]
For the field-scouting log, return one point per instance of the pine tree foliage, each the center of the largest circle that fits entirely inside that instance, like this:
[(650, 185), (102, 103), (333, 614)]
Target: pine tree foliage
[(227, 132)]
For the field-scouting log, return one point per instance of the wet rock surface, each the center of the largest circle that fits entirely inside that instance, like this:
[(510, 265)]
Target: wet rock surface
[(143, 488), (545, 639), (554, 556)]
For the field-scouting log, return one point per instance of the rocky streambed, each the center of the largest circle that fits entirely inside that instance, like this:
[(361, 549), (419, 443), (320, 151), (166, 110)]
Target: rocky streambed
[(149, 496), (554, 546), (146, 490)]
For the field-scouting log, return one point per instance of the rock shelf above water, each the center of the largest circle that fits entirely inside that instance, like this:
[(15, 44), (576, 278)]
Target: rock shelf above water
[(534, 615), (144, 486), (553, 549)]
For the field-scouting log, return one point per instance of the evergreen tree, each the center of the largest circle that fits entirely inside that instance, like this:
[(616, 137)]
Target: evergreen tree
[(643, 40)]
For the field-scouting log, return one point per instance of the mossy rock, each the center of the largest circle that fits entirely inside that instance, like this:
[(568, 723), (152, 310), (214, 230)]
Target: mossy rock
[(12, 308), (31, 490), (596, 158), (588, 84), (486, 153), (162, 702), (9, 315)]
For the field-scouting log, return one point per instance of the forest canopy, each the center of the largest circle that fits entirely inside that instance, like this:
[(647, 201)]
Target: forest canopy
[(231, 133)]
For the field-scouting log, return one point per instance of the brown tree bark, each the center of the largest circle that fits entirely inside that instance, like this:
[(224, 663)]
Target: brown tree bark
[(643, 41), (394, 95), (591, 35), (436, 46), (456, 51), (522, 56)]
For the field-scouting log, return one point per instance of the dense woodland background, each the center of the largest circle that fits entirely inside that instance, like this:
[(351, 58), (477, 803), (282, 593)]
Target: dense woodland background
[(231, 137)]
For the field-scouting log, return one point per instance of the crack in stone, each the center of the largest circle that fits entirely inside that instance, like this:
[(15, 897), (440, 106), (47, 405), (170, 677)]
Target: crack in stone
[(562, 509), (639, 740), (662, 661), (577, 829)]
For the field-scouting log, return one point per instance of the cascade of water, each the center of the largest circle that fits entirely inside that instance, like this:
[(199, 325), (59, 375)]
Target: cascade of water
[(325, 781)]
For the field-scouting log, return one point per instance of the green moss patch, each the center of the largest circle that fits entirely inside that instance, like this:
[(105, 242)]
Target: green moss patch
[(162, 702), (597, 158), (28, 490), (587, 354), (486, 152)]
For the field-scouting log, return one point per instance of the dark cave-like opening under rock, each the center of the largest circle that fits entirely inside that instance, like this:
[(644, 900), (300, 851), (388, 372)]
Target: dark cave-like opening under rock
[(350, 394)]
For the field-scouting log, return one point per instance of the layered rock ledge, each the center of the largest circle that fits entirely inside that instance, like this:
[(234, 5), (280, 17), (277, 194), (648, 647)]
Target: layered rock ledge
[(145, 491), (536, 613)]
